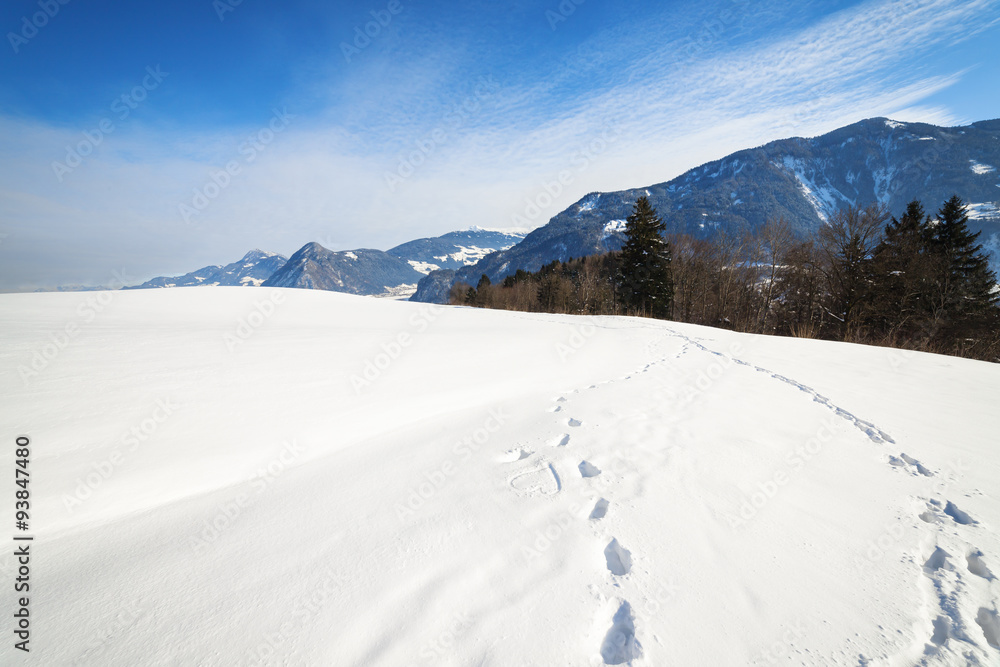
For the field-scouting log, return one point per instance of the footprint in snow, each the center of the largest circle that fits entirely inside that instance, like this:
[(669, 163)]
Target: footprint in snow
[(574, 422), (976, 565), (937, 560), (989, 621), (903, 460), (555, 408), (620, 645), (958, 515), (588, 469), (600, 509), (915, 463), (619, 559), (560, 440), (928, 516), (512, 455)]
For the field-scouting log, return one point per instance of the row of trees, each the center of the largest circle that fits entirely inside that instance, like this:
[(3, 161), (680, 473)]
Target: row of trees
[(917, 282)]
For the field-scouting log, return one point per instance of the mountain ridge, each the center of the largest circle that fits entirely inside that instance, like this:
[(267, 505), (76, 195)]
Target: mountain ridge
[(252, 269), (802, 179)]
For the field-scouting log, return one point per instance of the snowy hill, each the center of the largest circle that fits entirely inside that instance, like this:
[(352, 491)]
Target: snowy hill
[(297, 477), (804, 180), (255, 267)]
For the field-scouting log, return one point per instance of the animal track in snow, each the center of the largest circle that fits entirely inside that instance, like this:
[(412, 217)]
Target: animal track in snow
[(588, 469), (600, 509), (620, 645), (619, 559)]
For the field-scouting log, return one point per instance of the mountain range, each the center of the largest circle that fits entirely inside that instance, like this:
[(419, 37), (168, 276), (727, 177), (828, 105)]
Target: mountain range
[(255, 267), (363, 271), (804, 180)]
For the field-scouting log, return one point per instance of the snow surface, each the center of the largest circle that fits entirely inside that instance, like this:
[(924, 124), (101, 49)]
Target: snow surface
[(349, 255), (402, 292), (588, 203), (468, 254), (209, 487), (423, 267), (612, 227), (982, 211), (822, 198)]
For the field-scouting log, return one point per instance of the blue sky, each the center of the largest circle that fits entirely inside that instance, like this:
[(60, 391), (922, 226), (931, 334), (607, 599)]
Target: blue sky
[(156, 138)]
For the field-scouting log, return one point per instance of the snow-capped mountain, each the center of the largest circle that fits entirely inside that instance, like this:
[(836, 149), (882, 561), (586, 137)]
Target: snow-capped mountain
[(804, 180), (394, 272), (363, 271), (255, 267), (456, 249)]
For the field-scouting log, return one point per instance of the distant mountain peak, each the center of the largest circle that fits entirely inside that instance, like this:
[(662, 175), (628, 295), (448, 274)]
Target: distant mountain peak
[(512, 231), (804, 180), (251, 270), (363, 271), (311, 248)]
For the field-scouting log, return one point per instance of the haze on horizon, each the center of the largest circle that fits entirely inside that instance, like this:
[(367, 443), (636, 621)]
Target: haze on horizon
[(157, 139)]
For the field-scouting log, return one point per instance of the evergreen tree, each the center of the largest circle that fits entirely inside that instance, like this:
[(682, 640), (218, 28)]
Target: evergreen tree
[(645, 281), (848, 241), (964, 297), (903, 271)]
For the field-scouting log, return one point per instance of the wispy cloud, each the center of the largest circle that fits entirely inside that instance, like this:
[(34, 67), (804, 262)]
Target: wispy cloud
[(669, 104)]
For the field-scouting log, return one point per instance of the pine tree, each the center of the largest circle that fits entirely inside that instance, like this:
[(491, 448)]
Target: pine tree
[(645, 282), (964, 295), (903, 272), (849, 241)]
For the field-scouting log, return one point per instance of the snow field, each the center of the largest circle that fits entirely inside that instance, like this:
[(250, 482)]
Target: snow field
[(367, 482)]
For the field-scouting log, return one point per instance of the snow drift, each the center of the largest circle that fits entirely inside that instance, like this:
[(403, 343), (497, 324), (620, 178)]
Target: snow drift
[(225, 476)]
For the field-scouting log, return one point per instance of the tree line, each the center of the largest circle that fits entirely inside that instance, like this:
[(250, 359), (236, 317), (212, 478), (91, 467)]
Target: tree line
[(917, 282)]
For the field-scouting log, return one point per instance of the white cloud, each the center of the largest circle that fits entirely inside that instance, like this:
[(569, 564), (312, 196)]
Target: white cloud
[(667, 111)]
